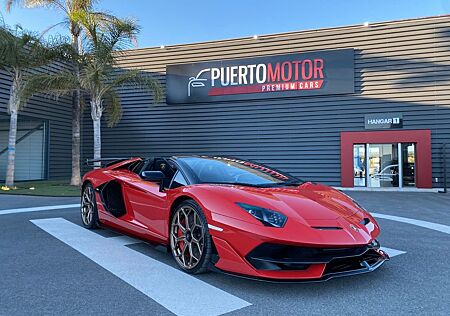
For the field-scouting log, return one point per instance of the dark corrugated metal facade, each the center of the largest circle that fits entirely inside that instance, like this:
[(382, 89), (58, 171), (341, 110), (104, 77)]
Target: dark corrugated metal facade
[(399, 67), (57, 115)]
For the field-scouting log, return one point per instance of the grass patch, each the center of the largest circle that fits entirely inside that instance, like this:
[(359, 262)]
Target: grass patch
[(43, 188)]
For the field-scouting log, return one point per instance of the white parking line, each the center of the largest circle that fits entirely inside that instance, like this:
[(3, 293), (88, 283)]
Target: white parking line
[(124, 240), (177, 291), (39, 208), (392, 252), (438, 227)]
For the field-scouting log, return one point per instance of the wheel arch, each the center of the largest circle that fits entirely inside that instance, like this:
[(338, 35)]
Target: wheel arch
[(180, 199), (177, 201), (85, 183), (184, 196)]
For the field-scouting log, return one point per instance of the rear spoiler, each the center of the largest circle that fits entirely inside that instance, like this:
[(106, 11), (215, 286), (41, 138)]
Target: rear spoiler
[(105, 162)]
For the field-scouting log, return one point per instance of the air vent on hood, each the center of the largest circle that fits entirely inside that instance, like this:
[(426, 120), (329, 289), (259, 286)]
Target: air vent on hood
[(327, 227), (365, 221)]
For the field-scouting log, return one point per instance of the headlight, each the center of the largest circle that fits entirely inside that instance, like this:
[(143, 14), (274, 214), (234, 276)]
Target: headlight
[(264, 215)]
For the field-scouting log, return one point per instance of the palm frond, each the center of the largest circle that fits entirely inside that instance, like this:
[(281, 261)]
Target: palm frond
[(50, 85), (85, 5), (104, 18), (16, 44), (10, 3), (155, 87), (140, 81), (105, 30), (60, 4), (8, 48), (87, 21), (48, 29), (24, 50), (122, 33), (113, 108)]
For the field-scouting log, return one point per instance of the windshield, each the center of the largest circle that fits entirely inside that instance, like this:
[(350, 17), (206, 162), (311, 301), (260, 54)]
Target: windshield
[(235, 171)]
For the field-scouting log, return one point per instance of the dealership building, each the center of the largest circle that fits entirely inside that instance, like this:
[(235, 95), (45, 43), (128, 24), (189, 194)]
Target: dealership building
[(364, 106)]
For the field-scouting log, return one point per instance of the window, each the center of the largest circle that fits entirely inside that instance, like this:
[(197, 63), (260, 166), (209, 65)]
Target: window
[(377, 165), (178, 181), (383, 168), (359, 165), (232, 170), (136, 167), (31, 148)]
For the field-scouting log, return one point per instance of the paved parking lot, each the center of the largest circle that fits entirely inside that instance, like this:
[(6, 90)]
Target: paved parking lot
[(40, 274)]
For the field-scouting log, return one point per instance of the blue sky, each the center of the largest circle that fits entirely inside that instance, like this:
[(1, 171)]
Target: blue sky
[(167, 22)]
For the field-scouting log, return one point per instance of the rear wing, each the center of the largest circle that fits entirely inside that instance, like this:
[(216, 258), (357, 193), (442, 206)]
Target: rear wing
[(105, 162)]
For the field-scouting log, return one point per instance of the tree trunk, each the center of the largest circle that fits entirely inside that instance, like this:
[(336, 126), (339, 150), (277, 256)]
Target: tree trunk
[(76, 121), (11, 149), (76, 139), (13, 109), (96, 114)]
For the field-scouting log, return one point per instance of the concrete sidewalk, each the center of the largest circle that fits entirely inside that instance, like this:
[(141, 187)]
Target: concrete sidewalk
[(433, 207)]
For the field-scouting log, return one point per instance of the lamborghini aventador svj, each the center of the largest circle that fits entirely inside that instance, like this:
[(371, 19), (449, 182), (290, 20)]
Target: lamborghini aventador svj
[(234, 216)]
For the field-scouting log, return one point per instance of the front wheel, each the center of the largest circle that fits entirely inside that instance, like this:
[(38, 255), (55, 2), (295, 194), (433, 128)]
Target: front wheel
[(190, 241), (89, 214)]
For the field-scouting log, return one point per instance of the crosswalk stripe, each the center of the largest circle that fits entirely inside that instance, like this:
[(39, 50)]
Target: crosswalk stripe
[(430, 225), (162, 283), (38, 208), (124, 240), (392, 252)]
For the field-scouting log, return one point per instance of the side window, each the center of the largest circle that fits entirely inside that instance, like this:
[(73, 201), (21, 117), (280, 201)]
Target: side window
[(178, 181), (136, 167)]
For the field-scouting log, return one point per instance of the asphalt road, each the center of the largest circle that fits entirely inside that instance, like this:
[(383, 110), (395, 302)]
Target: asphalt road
[(40, 274)]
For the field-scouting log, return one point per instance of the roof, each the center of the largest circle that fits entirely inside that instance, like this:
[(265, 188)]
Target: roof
[(262, 36)]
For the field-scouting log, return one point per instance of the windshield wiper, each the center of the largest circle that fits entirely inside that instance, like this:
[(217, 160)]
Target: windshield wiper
[(261, 185), (291, 183), (234, 183)]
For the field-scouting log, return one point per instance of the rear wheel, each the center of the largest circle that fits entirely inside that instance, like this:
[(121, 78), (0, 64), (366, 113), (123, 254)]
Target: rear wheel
[(190, 241), (89, 214)]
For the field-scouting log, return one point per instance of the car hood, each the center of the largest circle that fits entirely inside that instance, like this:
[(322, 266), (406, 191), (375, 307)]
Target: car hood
[(309, 201), (317, 214)]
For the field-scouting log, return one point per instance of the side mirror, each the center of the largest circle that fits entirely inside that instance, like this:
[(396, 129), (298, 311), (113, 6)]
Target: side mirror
[(153, 176)]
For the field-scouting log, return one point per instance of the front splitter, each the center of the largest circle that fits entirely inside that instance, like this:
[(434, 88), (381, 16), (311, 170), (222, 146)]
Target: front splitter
[(326, 277)]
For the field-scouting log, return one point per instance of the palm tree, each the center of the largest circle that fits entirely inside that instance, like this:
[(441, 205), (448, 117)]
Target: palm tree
[(99, 76), (21, 53), (70, 9)]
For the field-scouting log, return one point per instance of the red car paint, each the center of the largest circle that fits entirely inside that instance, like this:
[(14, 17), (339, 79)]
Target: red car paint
[(148, 213)]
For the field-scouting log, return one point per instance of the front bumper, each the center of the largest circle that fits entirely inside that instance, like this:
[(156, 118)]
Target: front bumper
[(288, 263)]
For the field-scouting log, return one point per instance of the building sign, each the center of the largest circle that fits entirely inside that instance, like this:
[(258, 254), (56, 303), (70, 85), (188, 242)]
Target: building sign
[(279, 76), (386, 120)]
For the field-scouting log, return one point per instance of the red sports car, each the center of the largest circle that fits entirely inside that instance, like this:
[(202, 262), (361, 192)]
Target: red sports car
[(235, 216)]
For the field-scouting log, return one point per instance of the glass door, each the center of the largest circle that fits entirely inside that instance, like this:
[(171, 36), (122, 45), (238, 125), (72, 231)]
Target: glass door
[(359, 165), (408, 151), (377, 165), (382, 165)]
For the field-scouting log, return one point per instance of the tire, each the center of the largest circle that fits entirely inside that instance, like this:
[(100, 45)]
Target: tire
[(88, 210), (191, 248)]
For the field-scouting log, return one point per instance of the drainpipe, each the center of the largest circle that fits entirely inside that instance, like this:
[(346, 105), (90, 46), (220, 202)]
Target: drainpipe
[(444, 161)]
